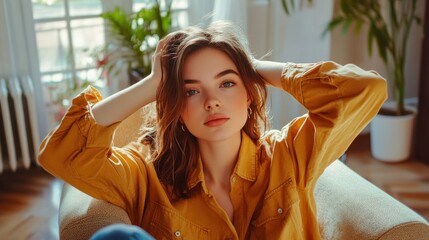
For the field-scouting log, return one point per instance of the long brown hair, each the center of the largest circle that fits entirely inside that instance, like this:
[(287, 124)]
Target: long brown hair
[(175, 151)]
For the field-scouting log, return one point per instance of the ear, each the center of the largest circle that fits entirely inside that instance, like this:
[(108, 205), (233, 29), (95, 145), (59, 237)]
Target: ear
[(249, 101)]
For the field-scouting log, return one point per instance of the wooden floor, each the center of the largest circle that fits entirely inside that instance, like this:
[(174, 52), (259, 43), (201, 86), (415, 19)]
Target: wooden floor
[(29, 199)]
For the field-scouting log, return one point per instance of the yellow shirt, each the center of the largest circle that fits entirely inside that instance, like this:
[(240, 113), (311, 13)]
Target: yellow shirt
[(273, 180)]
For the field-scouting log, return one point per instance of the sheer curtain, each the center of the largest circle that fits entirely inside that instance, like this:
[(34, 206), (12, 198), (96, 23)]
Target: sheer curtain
[(200, 12), (207, 11), (234, 11), (17, 55)]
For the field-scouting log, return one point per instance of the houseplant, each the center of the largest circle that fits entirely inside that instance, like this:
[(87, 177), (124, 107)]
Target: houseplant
[(389, 24), (133, 38)]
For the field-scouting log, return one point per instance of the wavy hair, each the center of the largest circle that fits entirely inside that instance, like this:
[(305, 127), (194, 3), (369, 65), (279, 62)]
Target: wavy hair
[(175, 152)]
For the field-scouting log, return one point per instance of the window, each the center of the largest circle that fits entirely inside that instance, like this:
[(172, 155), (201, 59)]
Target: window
[(67, 33)]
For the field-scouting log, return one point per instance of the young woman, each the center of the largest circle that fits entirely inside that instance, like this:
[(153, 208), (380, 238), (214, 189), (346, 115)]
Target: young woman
[(209, 169)]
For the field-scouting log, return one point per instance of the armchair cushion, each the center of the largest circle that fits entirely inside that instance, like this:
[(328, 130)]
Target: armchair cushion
[(80, 215)]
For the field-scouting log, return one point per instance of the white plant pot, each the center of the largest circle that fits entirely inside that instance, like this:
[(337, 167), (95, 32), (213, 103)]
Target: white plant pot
[(391, 137)]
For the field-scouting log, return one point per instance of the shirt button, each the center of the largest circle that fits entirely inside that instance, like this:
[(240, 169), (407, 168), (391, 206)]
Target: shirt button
[(279, 210), (177, 233), (234, 179)]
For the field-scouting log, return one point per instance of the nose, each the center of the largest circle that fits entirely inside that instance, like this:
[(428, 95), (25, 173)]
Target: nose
[(212, 103)]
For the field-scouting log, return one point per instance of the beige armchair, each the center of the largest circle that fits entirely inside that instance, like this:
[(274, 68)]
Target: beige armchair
[(349, 207)]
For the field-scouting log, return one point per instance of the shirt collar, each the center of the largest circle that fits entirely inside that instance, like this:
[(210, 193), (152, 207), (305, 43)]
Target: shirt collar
[(245, 167), (197, 175)]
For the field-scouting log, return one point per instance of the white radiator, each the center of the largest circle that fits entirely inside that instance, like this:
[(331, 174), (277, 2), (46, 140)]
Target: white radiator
[(19, 133)]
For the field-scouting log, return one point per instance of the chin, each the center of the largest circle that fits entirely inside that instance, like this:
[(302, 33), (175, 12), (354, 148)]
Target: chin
[(217, 135)]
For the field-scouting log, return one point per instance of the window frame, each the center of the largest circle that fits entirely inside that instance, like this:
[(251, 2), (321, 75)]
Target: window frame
[(19, 54), (127, 5), (67, 18)]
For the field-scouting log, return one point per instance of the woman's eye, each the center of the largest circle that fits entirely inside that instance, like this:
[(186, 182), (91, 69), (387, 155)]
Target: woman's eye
[(228, 84), (191, 92)]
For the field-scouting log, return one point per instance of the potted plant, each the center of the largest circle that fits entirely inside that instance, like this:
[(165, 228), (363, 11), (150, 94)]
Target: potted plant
[(133, 39), (389, 28)]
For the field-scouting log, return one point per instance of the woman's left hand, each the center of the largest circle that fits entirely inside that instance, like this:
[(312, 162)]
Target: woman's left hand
[(270, 71)]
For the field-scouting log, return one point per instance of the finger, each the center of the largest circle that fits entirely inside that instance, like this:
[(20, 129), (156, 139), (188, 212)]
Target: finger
[(163, 42)]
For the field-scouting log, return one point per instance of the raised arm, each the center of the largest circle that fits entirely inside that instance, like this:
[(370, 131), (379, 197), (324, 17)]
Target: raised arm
[(122, 104), (270, 71), (341, 101), (80, 150)]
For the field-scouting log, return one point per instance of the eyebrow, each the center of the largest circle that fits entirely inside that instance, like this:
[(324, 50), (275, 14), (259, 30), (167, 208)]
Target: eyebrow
[(219, 75)]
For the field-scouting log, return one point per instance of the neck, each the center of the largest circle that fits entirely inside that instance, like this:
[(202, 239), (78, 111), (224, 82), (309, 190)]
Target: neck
[(219, 158)]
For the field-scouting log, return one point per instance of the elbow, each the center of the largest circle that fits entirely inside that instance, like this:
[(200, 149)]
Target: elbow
[(43, 159), (48, 156), (379, 88), (376, 89), (51, 164)]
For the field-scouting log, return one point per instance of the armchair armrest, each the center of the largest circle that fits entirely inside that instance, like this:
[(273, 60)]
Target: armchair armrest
[(350, 207), (80, 215)]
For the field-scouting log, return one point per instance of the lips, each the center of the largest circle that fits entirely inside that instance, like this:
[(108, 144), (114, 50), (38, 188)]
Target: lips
[(216, 120)]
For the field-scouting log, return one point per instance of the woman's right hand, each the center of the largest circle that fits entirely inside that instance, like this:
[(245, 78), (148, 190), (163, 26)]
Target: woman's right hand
[(270, 71), (122, 104), (156, 72)]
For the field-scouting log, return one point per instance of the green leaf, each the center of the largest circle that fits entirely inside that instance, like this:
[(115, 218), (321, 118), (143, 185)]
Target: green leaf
[(347, 8), (381, 42), (346, 25), (333, 24), (370, 39), (418, 20), (285, 7), (146, 14), (166, 23), (393, 17), (358, 26), (292, 3)]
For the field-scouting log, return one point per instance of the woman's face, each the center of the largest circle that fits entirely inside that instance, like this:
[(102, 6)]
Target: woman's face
[(216, 99)]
